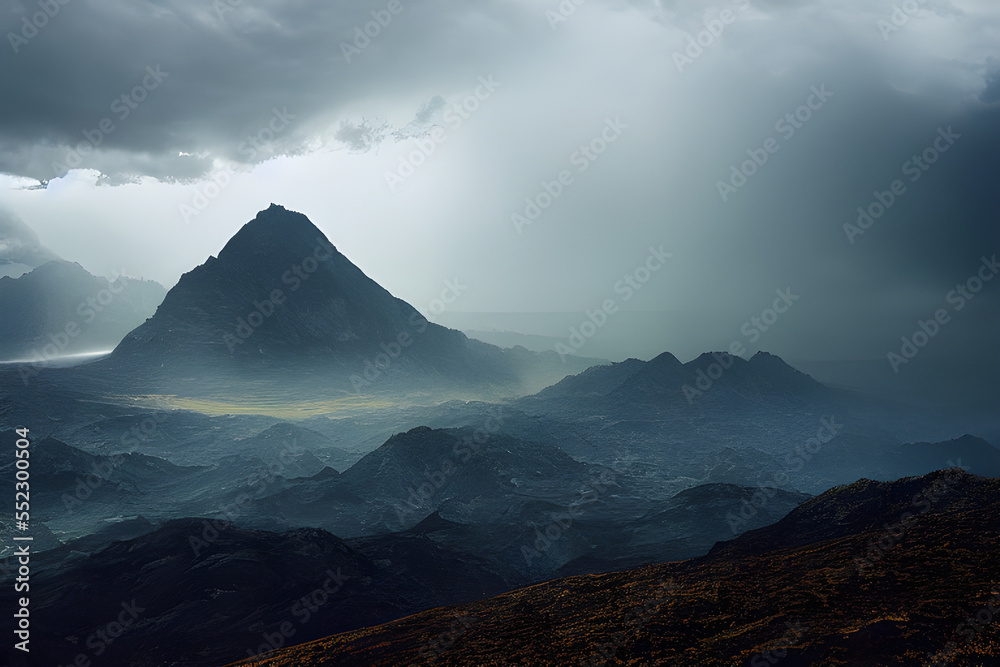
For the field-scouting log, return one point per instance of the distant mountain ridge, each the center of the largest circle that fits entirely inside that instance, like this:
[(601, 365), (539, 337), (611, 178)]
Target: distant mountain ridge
[(665, 375), (62, 309)]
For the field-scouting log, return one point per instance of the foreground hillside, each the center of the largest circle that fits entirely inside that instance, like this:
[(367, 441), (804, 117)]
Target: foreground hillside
[(900, 573)]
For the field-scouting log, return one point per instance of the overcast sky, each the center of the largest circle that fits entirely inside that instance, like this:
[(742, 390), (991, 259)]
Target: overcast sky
[(127, 111)]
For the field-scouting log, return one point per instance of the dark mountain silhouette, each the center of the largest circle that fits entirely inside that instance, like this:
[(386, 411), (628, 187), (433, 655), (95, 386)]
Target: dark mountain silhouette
[(714, 378), (975, 454), (281, 303), (868, 506), (198, 592), (792, 593), (597, 380), (684, 526), (497, 499), (210, 590), (718, 375), (62, 309)]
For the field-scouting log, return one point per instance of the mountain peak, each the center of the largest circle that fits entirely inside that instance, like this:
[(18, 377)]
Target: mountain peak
[(276, 228), (280, 299), (774, 360), (706, 358), (56, 269), (666, 360), (776, 367)]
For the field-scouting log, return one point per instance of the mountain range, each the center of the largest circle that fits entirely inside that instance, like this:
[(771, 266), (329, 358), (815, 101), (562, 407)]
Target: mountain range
[(887, 574), (281, 304), (211, 590), (284, 451), (63, 310)]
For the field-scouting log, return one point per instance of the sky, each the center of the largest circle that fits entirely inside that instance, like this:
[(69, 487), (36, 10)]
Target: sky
[(540, 155)]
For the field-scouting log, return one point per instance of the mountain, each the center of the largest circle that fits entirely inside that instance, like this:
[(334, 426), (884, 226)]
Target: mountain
[(210, 590), (482, 476), (869, 506), (714, 380), (722, 418), (975, 454), (183, 436), (713, 375), (829, 584), (597, 380), (63, 310), (67, 480), (281, 303), (527, 509), (295, 451), (717, 418), (684, 526), (488, 464), (853, 456), (193, 594), (205, 592), (72, 490), (663, 374)]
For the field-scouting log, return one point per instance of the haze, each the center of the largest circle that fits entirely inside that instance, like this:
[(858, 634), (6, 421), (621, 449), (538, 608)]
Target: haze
[(284, 102)]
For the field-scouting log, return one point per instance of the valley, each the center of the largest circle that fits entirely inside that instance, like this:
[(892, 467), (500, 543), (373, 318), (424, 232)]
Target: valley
[(331, 478)]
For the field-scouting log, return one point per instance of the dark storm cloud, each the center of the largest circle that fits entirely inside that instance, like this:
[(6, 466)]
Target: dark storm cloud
[(221, 70), (696, 95)]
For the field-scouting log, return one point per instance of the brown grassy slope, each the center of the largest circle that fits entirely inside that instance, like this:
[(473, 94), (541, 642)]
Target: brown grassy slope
[(731, 608)]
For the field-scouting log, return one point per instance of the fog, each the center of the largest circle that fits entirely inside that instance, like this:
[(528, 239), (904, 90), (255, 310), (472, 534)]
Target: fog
[(535, 152)]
